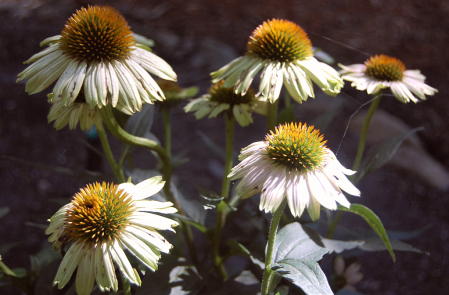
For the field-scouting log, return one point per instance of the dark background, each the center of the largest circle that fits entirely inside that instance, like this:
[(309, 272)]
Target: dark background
[(197, 37)]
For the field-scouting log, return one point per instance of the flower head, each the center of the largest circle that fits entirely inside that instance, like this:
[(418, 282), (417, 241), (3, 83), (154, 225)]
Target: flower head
[(382, 71), (222, 99), (282, 50), (100, 223), (174, 93), (293, 162), (78, 111), (97, 52), (346, 277)]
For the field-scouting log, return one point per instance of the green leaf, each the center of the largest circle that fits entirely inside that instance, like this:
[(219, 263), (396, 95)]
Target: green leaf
[(305, 274), (18, 273), (340, 246), (4, 248), (186, 93), (192, 207), (140, 123), (374, 221), (380, 155), (376, 244), (239, 249), (298, 242), (287, 115), (322, 56), (4, 211), (174, 277), (209, 198)]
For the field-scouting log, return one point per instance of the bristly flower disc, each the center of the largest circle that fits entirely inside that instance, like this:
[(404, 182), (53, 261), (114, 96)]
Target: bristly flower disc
[(381, 72), (297, 147), (221, 99), (282, 52), (98, 214), (280, 40), (294, 163), (221, 94), (101, 222), (385, 68), (97, 33)]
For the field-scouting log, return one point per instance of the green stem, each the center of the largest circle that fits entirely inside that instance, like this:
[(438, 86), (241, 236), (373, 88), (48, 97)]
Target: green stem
[(118, 172), (125, 137), (272, 115), (228, 162), (371, 111), (268, 272), (167, 128), (333, 226), (222, 208)]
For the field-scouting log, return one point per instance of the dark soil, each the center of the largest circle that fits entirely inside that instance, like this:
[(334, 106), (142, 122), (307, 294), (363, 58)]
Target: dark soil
[(414, 31)]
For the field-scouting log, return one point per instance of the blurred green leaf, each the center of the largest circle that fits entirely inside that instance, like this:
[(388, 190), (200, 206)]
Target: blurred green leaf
[(380, 155), (140, 122), (239, 249), (374, 221), (4, 248), (4, 211), (287, 115), (306, 274), (322, 56), (376, 244), (18, 272), (192, 207), (174, 277)]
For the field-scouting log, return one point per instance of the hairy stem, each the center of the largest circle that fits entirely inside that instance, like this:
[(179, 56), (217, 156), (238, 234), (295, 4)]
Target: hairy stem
[(222, 209), (268, 273), (118, 171)]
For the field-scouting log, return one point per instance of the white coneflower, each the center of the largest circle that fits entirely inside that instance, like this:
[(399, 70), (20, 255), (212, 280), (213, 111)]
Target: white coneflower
[(222, 99), (98, 52), (78, 111), (174, 94), (101, 222), (346, 277), (382, 71), (294, 163), (283, 52)]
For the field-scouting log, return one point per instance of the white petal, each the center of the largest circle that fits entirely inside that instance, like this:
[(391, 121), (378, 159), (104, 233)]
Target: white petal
[(69, 264), (141, 251), (85, 275), (153, 64), (274, 189), (119, 256)]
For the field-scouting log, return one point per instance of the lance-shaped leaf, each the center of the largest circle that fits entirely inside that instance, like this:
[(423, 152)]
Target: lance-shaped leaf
[(374, 221), (382, 154)]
